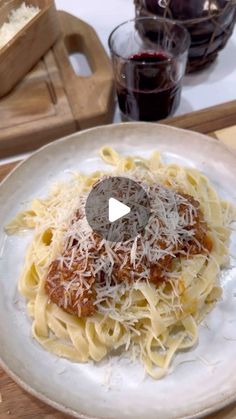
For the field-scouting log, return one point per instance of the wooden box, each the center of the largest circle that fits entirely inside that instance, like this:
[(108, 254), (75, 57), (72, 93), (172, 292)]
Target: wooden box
[(26, 48)]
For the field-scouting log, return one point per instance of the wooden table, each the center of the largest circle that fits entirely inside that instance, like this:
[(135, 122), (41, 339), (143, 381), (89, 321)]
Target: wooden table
[(16, 403)]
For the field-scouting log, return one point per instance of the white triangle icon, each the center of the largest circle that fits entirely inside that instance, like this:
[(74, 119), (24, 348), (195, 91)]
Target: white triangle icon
[(117, 210)]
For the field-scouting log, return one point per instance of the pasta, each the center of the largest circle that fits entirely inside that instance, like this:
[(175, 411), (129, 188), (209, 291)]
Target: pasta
[(147, 320)]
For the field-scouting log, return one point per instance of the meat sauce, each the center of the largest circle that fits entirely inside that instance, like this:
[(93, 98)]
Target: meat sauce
[(76, 294)]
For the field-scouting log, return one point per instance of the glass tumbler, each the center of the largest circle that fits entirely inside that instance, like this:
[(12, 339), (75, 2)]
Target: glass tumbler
[(149, 58)]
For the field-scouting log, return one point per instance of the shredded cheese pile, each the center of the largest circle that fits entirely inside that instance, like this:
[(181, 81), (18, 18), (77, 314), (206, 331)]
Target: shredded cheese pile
[(17, 19), (166, 231)]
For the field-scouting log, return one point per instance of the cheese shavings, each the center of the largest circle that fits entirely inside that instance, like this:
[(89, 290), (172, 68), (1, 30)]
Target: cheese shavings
[(98, 273), (17, 19)]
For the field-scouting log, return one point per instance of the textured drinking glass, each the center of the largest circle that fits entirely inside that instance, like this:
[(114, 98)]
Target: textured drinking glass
[(149, 59)]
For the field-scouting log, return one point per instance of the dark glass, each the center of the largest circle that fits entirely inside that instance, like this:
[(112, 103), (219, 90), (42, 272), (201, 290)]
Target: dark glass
[(149, 93), (185, 10), (210, 24)]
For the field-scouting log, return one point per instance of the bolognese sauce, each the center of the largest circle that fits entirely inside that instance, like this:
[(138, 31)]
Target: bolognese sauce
[(72, 277)]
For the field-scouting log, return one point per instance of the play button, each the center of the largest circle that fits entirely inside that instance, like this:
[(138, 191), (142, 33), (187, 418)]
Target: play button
[(117, 209)]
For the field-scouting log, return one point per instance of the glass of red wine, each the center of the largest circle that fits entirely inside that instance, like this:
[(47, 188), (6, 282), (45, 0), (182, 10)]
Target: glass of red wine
[(149, 59)]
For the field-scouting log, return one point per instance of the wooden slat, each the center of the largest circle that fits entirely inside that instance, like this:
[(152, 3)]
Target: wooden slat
[(207, 120)]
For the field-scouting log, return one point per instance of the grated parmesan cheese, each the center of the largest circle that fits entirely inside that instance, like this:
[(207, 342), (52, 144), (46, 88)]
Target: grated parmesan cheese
[(88, 258), (16, 20)]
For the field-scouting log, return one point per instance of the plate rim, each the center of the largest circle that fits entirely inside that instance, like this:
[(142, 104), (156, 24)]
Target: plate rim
[(220, 404), (34, 153), (226, 402)]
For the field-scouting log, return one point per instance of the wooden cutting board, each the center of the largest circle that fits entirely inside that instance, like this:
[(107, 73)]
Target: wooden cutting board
[(15, 402), (52, 100)]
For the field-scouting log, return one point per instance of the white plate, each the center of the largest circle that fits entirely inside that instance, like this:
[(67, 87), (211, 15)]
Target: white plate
[(117, 388)]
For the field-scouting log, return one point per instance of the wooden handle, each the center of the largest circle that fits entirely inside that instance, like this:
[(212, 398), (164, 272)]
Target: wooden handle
[(88, 96)]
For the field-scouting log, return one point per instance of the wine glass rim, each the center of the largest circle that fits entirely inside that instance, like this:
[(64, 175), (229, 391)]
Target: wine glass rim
[(187, 39)]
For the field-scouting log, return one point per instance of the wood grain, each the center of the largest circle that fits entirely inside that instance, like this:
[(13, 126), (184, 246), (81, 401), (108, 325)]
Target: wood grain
[(52, 101), (90, 98), (36, 111), (207, 120), (6, 169), (18, 404), (19, 56)]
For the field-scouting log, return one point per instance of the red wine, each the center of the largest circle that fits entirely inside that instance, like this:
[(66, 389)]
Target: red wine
[(148, 91)]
